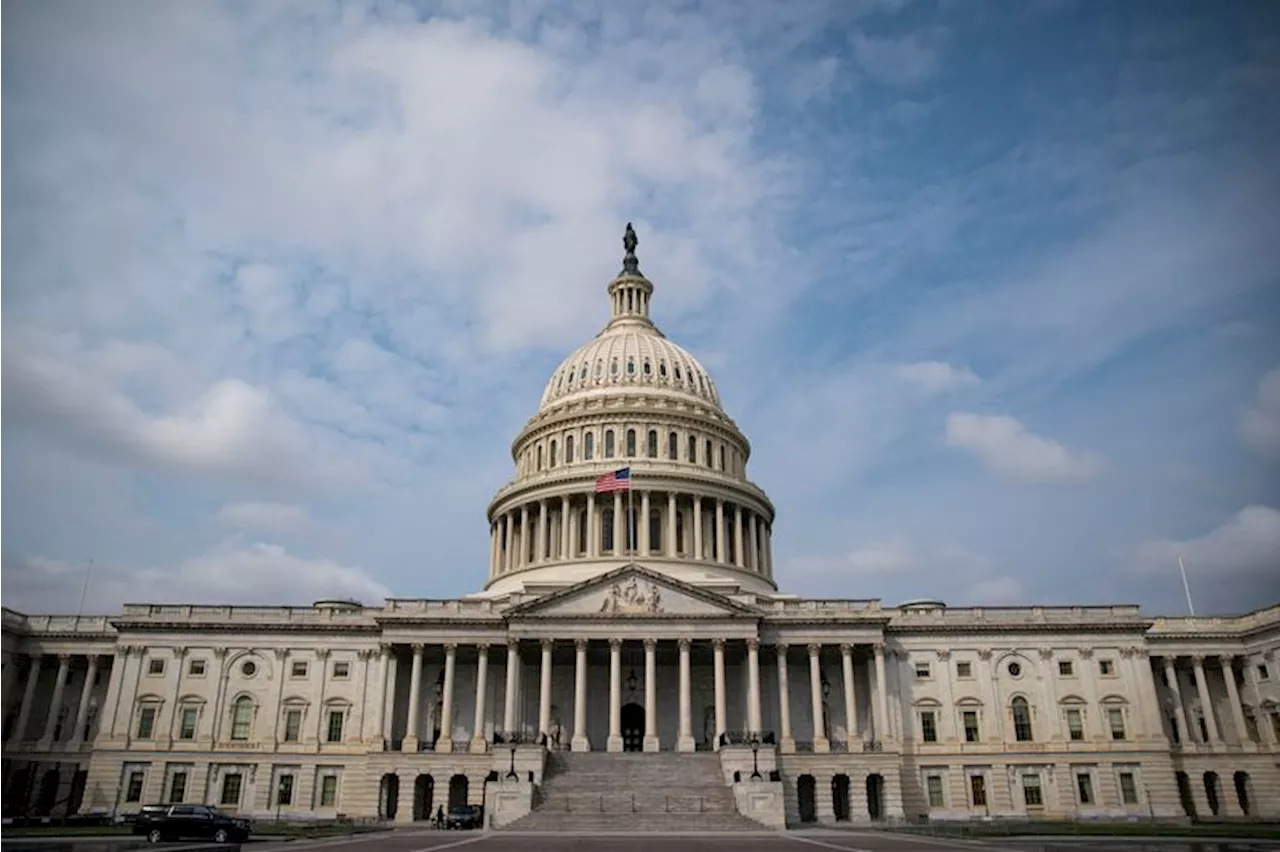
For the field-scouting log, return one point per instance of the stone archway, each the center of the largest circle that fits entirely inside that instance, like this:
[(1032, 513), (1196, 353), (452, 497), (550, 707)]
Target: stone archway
[(1242, 784), (632, 727), (840, 797), (459, 788), (875, 796), (1184, 794), (424, 788), (806, 798), (389, 795)]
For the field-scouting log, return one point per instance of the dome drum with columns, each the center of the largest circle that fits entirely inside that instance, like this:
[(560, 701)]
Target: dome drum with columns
[(630, 398)]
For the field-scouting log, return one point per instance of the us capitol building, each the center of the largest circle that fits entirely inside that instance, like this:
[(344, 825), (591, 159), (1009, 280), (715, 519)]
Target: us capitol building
[(631, 660)]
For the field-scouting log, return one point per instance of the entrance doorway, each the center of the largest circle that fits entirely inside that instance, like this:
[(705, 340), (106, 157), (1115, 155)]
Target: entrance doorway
[(806, 798), (840, 797), (632, 727), (424, 789), (875, 796)]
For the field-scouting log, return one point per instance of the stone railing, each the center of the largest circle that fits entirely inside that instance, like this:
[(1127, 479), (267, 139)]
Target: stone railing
[(1220, 625), (910, 617), (245, 614), (87, 625)]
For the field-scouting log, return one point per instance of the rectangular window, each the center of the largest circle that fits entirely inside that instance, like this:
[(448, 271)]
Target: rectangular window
[(1031, 791), (292, 725), (964, 670), (284, 790), (177, 787), (1106, 668), (928, 727), (1075, 724), (155, 666), (341, 670), (231, 784), (1115, 718), (187, 724), (1128, 789), (978, 790), (328, 791), (971, 734), (1066, 668), (922, 670), (334, 734), (1263, 674), (1084, 787), (133, 787), (196, 668), (298, 669), (934, 784), (146, 722), (1275, 725)]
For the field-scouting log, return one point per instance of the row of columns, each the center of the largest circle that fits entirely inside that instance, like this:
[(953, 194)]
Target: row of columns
[(55, 705), (515, 545), (1227, 666)]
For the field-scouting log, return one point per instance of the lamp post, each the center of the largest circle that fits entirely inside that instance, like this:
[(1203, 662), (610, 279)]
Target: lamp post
[(512, 772), (755, 762)]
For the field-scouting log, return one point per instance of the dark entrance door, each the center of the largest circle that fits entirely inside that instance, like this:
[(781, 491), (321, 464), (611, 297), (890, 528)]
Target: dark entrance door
[(632, 727), (806, 788)]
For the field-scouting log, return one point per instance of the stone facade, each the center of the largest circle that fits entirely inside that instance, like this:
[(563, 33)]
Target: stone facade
[(646, 620)]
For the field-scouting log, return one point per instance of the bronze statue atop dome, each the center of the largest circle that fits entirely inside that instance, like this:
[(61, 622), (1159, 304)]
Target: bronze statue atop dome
[(629, 242)]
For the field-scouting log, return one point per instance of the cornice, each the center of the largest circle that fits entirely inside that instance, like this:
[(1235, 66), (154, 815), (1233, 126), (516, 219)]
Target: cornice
[(154, 626)]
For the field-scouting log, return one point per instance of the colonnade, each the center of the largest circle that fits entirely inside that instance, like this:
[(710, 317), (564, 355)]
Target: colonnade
[(662, 523), (53, 728), (1261, 730)]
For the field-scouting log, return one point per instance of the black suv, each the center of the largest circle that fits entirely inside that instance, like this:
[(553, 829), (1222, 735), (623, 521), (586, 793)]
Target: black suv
[(173, 822), (464, 816)]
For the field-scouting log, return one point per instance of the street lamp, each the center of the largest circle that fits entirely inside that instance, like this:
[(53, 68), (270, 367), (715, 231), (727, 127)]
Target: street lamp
[(632, 681), (826, 686), (755, 762), (512, 772)]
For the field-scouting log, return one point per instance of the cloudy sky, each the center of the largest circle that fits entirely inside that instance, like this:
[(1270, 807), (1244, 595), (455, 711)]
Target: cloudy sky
[(992, 288)]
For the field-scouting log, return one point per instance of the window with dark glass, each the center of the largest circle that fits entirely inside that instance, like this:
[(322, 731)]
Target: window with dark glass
[(292, 725), (608, 444), (1021, 720), (231, 784), (978, 790), (568, 449), (146, 722), (133, 788), (177, 787), (606, 531), (1075, 724), (971, 733), (928, 727), (187, 725), (631, 443), (652, 448), (284, 790), (334, 732), (673, 446), (588, 446), (1084, 787)]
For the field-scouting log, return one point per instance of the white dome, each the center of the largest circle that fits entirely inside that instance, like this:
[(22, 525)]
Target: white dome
[(627, 358)]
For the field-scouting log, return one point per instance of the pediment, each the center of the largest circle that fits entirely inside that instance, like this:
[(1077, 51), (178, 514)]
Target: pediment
[(632, 591)]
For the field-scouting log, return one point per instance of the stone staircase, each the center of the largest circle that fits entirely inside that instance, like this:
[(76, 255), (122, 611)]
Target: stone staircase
[(664, 791)]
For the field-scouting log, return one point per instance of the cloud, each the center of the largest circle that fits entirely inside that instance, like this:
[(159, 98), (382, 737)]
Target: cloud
[(903, 61), (233, 573), (936, 376), (264, 517), (1005, 446), (1237, 560), (1260, 424)]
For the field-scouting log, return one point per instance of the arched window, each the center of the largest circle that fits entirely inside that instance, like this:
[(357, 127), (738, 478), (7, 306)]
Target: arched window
[(722, 466), (588, 446), (242, 718), (606, 531), (708, 456), (608, 443), (692, 450), (1021, 720), (673, 446), (653, 444), (631, 443), (539, 457), (568, 449), (553, 453)]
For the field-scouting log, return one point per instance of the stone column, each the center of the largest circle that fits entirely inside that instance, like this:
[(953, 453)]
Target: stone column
[(544, 695), (753, 685), (384, 681), (619, 529), (767, 561), (753, 551), (86, 692), (739, 558), (494, 567), (509, 699), (540, 539), (820, 743), (1179, 709), (685, 741), (850, 695), (522, 557), (1266, 733), (445, 743), (478, 741), (1233, 695), (506, 542), (580, 741), (785, 741), (697, 529), (651, 696), (615, 696), (719, 536), (566, 532), (882, 696), (642, 525), (671, 524), (718, 647), (415, 699), (1206, 703), (593, 532), (55, 705), (28, 698)]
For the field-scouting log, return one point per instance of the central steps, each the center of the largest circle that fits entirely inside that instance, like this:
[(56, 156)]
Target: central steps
[(663, 791)]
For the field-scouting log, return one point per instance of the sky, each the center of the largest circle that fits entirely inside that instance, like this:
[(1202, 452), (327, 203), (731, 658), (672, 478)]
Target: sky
[(993, 289)]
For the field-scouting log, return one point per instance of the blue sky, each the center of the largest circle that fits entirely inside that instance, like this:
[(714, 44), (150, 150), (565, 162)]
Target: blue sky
[(992, 288)]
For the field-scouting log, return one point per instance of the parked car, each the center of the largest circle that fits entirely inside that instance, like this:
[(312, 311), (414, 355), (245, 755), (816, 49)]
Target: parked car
[(464, 816), (174, 822)]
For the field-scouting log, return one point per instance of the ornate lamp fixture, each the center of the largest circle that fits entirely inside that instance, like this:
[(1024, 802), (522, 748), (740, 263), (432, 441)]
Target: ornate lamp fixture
[(632, 681), (826, 685)]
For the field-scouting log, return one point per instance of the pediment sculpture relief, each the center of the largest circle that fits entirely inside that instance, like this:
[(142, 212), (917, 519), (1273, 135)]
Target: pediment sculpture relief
[(630, 598)]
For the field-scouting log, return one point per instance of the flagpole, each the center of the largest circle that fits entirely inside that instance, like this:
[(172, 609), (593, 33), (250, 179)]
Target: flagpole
[(631, 516), (84, 588), (1185, 587)]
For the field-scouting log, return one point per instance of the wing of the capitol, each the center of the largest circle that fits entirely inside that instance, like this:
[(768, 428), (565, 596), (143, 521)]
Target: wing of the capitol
[(632, 661)]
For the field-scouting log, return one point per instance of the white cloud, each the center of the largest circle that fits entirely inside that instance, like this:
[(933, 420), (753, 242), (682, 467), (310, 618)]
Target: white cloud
[(1237, 561), (1260, 423), (1005, 446), (233, 573), (264, 517), (936, 376)]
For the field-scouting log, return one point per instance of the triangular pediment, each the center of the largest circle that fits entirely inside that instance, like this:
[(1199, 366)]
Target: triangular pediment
[(632, 591)]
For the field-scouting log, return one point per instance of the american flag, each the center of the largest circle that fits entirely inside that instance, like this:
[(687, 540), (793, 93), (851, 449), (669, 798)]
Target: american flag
[(619, 480)]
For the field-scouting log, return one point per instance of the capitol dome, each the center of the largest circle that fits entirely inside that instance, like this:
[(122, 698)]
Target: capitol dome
[(630, 399)]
